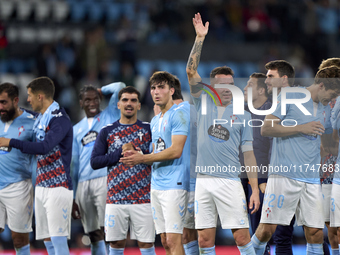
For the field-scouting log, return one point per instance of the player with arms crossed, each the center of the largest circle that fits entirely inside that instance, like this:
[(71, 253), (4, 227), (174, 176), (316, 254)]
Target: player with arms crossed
[(216, 191), (170, 178), (298, 192), (53, 192), (16, 191), (89, 185)]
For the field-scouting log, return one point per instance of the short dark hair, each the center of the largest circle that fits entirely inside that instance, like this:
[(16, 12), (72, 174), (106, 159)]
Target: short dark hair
[(330, 62), (330, 77), (283, 68), (178, 91), (42, 84), (129, 90), (87, 88), (261, 77), (11, 90), (162, 76), (221, 70)]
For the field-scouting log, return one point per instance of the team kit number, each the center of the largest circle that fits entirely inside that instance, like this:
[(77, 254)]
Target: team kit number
[(273, 200)]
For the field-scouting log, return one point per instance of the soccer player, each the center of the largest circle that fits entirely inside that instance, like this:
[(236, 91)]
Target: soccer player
[(128, 188), (327, 174), (298, 192), (89, 185), (16, 191), (53, 192), (220, 193), (261, 144), (170, 178), (280, 74)]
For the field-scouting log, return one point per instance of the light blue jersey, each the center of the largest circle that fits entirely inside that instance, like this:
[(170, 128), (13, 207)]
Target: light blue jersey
[(191, 142), (336, 126), (16, 166), (298, 156), (84, 137), (218, 145), (171, 174)]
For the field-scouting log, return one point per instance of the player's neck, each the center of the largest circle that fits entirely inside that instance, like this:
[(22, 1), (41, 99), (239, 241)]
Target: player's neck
[(178, 101), (166, 107), (128, 121), (258, 102), (18, 112)]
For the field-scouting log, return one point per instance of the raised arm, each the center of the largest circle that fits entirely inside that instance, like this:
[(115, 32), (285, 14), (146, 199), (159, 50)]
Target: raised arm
[(195, 55)]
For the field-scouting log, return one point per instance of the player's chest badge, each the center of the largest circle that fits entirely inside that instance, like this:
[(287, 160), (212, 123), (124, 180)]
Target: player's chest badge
[(21, 129)]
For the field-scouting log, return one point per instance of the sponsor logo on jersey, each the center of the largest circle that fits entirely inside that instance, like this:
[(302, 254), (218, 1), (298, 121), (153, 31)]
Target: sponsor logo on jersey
[(89, 139), (218, 133), (160, 145)]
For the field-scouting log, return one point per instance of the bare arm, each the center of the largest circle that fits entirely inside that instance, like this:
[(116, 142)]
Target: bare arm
[(195, 54), (273, 128), (249, 160), (173, 152)]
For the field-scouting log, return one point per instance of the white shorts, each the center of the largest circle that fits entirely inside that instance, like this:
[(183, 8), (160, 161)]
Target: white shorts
[(168, 210), (189, 219), (16, 206), (326, 194), (285, 197), (91, 199), (335, 206), (118, 218), (53, 208), (220, 197)]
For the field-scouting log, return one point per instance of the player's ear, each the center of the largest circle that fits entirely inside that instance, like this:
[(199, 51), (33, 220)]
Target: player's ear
[(321, 85), (118, 105), (138, 106), (81, 103), (172, 91)]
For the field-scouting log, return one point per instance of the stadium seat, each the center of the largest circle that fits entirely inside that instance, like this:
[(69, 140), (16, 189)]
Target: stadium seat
[(6, 9), (60, 10), (27, 34), (42, 10), (78, 11), (4, 66), (24, 10), (17, 66), (96, 11), (113, 11)]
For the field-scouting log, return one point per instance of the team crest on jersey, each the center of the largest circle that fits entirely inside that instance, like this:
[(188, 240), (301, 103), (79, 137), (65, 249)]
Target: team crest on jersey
[(268, 211), (165, 123), (5, 150), (21, 129), (89, 139), (140, 135), (160, 145), (218, 133), (117, 140)]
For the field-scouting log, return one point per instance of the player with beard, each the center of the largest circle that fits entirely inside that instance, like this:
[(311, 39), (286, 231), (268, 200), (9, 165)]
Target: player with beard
[(16, 191), (53, 192), (128, 188), (89, 185)]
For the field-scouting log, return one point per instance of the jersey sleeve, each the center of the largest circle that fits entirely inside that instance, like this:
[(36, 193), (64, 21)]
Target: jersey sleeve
[(56, 133), (246, 130), (197, 102), (180, 123), (113, 89), (75, 162), (99, 156)]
